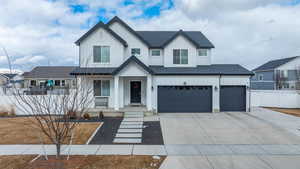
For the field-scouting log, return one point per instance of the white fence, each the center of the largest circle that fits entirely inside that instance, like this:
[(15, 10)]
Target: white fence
[(275, 98)]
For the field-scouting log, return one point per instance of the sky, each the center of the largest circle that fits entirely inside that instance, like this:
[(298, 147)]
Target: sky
[(245, 32)]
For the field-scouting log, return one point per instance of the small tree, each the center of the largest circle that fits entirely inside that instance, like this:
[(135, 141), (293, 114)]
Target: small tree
[(52, 112), (280, 80)]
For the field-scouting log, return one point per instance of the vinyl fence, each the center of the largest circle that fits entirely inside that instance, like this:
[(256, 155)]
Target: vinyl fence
[(275, 98)]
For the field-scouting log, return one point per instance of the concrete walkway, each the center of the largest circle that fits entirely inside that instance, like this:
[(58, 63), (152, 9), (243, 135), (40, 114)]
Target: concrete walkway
[(285, 121), (170, 150)]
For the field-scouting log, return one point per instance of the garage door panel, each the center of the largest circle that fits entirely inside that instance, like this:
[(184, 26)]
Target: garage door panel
[(184, 99), (233, 98)]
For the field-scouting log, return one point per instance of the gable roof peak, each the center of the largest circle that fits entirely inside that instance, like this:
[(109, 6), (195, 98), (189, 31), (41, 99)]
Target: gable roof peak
[(100, 24)]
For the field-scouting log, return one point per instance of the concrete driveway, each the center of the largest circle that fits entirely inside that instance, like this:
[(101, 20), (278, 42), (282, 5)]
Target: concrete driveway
[(232, 140), (222, 128)]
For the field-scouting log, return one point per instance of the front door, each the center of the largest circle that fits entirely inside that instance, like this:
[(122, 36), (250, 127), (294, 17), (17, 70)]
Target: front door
[(135, 92)]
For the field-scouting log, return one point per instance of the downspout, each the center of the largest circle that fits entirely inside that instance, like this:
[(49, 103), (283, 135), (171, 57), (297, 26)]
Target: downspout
[(249, 109), (220, 92)]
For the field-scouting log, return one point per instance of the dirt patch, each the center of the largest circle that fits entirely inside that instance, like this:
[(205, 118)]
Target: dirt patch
[(19, 130), (294, 112), (82, 162)]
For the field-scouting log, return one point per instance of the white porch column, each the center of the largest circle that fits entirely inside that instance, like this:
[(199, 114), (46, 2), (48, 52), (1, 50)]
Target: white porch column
[(149, 92), (116, 92)]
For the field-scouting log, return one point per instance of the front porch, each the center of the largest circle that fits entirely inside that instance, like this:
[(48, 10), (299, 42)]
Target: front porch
[(126, 93)]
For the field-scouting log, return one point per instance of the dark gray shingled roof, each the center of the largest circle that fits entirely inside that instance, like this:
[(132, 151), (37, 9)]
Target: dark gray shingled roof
[(274, 64), (153, 39), (50, 72), (93, 71), (215, 69), (159, 39), (129, 60)]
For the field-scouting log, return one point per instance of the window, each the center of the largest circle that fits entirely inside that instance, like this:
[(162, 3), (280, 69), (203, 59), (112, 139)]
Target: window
[(260, 77), (32, 83), (101, 88), (63, 83), (101, 54), (135, 51), (180, 56), (155, 52), (57, 83), (202, 52)]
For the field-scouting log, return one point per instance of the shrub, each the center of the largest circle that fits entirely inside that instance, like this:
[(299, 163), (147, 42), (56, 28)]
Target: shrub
[(86, 116)]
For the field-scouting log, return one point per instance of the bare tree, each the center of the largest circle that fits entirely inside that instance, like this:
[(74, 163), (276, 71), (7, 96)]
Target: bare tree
[(280, 79), (51, 113)]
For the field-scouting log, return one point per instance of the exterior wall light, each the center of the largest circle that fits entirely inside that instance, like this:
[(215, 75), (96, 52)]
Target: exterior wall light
[(184, 83), (216, 88)]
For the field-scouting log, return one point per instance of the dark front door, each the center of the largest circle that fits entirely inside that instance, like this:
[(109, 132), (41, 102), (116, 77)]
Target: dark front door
[(135, 92), (177, 99)]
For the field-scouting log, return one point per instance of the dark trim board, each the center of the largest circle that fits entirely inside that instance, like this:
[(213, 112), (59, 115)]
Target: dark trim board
[(233, 98), (184, 99)]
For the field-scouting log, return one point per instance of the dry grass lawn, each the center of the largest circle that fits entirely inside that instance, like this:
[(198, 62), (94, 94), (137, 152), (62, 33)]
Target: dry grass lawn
[(82, 162), (20, 131), (294, 112)]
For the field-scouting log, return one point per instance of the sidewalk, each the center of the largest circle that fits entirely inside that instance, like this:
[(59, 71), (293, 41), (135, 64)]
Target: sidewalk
[(170, 150)]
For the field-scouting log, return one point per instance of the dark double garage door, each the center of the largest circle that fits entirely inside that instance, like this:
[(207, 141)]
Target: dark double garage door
[(199, 98)]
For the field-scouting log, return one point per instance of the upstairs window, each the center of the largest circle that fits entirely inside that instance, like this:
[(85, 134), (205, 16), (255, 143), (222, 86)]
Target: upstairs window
[(203, 52), (155, 52), (136, 52), (180, 56), (260, 77), (101, 54)]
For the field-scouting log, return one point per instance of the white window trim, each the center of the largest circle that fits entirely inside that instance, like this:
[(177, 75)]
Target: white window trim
[(198, 52), (181, 64), (101, 88), (101, 63), (262, 77), (155, 50), (137, 55)]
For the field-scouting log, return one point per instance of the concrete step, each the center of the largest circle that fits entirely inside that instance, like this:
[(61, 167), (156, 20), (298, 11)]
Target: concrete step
[(127, 140), (133, 115), (130, 130), (132, 123), (133, 119), (131, 126), (128, 135)]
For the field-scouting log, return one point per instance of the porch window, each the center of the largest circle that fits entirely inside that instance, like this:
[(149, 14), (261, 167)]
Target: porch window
[(135, 51), (32, 83), (180, 56), (101, 88), (57, 83), (63, 83), (101, 54)]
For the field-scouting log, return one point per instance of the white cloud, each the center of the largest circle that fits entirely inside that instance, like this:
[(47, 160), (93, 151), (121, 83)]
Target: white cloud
[(29, 59), (247, 37), (244, 32)]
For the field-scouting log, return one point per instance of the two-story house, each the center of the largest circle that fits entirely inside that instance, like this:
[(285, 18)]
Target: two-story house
[(164, 71), (277, 75)]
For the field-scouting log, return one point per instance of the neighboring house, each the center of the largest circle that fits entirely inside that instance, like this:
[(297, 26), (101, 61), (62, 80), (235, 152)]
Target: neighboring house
[(10, 79), (49, 77), (164, 71), (277, 74)]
